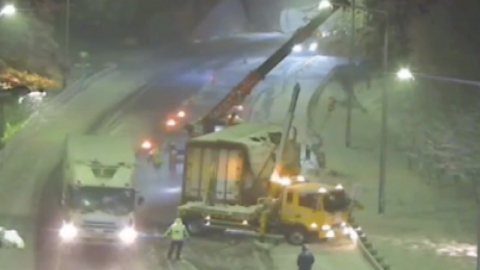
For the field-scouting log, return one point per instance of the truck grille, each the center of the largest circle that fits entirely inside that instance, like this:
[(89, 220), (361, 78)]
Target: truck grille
[(107, 227)]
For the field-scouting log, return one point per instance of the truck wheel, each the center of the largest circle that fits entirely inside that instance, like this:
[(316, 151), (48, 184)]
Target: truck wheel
[(195, 226), (296, 236)]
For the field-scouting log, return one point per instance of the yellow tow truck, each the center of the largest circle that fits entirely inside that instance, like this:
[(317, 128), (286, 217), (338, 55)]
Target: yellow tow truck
[(232, 181)]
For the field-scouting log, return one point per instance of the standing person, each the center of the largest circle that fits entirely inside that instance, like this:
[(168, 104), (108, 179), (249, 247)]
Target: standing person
[(177, 234), (172, 157), (305, 259)]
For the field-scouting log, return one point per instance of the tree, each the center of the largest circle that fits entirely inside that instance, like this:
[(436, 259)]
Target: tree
[(27, 44)]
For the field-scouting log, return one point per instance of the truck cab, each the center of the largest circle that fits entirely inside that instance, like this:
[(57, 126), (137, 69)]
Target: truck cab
[(98, 197), (314, 210)]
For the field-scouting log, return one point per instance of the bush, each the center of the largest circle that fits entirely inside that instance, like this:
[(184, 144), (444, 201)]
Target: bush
[(11, 130)]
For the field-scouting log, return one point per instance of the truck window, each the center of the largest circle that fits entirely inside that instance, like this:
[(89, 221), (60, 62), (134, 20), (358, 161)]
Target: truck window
[(104, 172), (308, 200), (336, 201)]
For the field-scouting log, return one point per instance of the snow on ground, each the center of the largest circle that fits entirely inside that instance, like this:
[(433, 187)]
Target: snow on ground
[(327, 257), (423, 226)]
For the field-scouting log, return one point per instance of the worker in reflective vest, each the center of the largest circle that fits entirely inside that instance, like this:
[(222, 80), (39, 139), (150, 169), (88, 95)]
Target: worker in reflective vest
[(157, 157), (177, 234)]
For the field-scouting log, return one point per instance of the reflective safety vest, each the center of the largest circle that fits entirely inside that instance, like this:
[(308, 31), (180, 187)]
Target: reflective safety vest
[(157, 157), (177, 232)]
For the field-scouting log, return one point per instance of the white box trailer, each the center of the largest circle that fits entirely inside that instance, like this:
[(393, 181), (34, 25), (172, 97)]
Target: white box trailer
[(98, 196), (240, 159)]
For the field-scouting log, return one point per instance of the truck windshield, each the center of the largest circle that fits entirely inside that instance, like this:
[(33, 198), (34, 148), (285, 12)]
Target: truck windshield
[(114, 201), (336, 201)]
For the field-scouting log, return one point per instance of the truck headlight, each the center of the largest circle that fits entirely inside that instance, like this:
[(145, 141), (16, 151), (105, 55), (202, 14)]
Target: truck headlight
[(68, 232), (313, 47), (330, 234), (326, 228), (128, 235)]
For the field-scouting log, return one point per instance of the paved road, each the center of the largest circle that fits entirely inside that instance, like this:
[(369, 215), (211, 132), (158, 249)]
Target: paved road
[(176, 80)]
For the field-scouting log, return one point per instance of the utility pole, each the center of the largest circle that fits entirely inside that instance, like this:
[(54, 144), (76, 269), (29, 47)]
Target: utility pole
[(67, 43), (348, 130), (287, 124), (384, 121)]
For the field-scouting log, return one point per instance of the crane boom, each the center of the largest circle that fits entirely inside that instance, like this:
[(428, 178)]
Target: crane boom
[(238, 94)]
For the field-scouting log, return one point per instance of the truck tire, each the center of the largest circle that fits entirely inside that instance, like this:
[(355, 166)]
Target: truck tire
[(195, 226), (296, 235)]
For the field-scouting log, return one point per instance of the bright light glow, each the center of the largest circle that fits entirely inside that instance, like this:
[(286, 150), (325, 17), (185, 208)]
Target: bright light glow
[(171, 123), (314, 225), (326, 227), (8, 10), (297, 48), (405, 74), (12, 238), (207, 218), (322, 190), (239, 108), (128, 235), (181, 114), (313, 47), (276, 178), (330, 234), (146, 145), (68, 232), (324, 4), (353, 235), (245, 222), (300, 178), (338, 187)]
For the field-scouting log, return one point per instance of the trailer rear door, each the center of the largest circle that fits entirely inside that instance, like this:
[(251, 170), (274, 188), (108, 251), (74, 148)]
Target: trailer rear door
[(209, 163)]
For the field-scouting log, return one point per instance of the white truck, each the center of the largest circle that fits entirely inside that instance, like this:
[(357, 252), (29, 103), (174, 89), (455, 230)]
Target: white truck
[(98, 197)]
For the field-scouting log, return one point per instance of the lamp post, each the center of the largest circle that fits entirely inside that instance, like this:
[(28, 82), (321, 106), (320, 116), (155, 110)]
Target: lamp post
[(405, 74), (8, 10), (67, 32)]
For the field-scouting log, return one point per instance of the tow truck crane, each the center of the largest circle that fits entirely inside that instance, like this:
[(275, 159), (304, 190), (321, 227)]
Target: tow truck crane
[(238, 94)]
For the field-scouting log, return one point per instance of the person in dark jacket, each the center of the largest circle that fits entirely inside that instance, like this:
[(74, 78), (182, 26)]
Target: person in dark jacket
[(305, 259)]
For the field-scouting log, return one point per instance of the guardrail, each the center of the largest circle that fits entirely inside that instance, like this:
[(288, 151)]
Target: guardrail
[(365, 246)]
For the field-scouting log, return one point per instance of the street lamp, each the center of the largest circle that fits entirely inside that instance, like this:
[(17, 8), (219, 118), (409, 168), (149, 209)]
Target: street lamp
[(324, 4), (404, 74), (8, 10)]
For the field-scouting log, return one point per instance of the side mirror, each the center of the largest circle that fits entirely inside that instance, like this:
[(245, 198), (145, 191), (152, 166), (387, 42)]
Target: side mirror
[(140, 200)]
